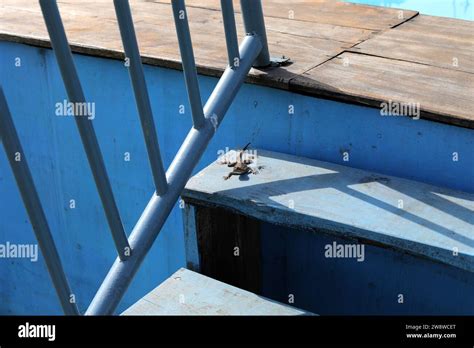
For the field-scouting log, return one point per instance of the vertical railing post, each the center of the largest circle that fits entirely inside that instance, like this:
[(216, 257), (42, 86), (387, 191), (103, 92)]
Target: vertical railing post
[(24, 180), (254, 23), (230, 33), (187, 57), (86, 130), (130, 45)]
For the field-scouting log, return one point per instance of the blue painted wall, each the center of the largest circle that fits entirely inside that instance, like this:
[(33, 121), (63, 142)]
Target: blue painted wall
[(320, 129), (293, 262)]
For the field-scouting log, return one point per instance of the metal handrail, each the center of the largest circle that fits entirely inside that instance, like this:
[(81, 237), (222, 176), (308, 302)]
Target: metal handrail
[(230, 30), (187, 57), (130, 45), (253, 51)]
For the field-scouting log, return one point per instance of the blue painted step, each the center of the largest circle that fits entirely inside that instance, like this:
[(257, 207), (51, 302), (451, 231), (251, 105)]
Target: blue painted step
[(344, 241)]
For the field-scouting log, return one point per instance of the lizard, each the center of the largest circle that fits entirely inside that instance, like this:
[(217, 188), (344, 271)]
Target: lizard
[(240, 166)]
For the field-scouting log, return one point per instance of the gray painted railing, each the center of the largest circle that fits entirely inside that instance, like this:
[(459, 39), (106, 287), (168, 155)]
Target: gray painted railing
[(253, 51)]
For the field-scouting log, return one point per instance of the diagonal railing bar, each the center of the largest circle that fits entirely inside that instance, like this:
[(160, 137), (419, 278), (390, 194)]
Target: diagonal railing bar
[(187, 57), (130, 45), (84, 124), (230, 31), (21, 171), (159, 207)]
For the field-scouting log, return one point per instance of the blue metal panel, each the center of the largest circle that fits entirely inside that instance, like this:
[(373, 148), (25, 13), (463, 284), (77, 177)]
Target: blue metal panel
[(321, 129)]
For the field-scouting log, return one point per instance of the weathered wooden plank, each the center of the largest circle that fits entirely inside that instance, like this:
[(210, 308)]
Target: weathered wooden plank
[(408, 216), (323, 11), (92, 29), (442, 42), (444, 95), (190, 293), (229, 247)]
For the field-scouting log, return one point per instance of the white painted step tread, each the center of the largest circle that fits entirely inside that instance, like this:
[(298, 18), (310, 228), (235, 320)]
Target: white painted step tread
[(190, 293)]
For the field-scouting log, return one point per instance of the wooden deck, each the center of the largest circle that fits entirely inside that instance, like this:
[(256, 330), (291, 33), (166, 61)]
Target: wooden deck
[(354, 53)]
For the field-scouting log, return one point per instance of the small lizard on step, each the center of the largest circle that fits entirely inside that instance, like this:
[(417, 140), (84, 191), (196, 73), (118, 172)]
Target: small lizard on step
[(240, 166)]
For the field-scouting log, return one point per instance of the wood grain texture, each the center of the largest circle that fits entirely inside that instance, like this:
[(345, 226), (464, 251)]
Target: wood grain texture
[(436, 41), (443, 95), (92, 29), (322, 11)]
